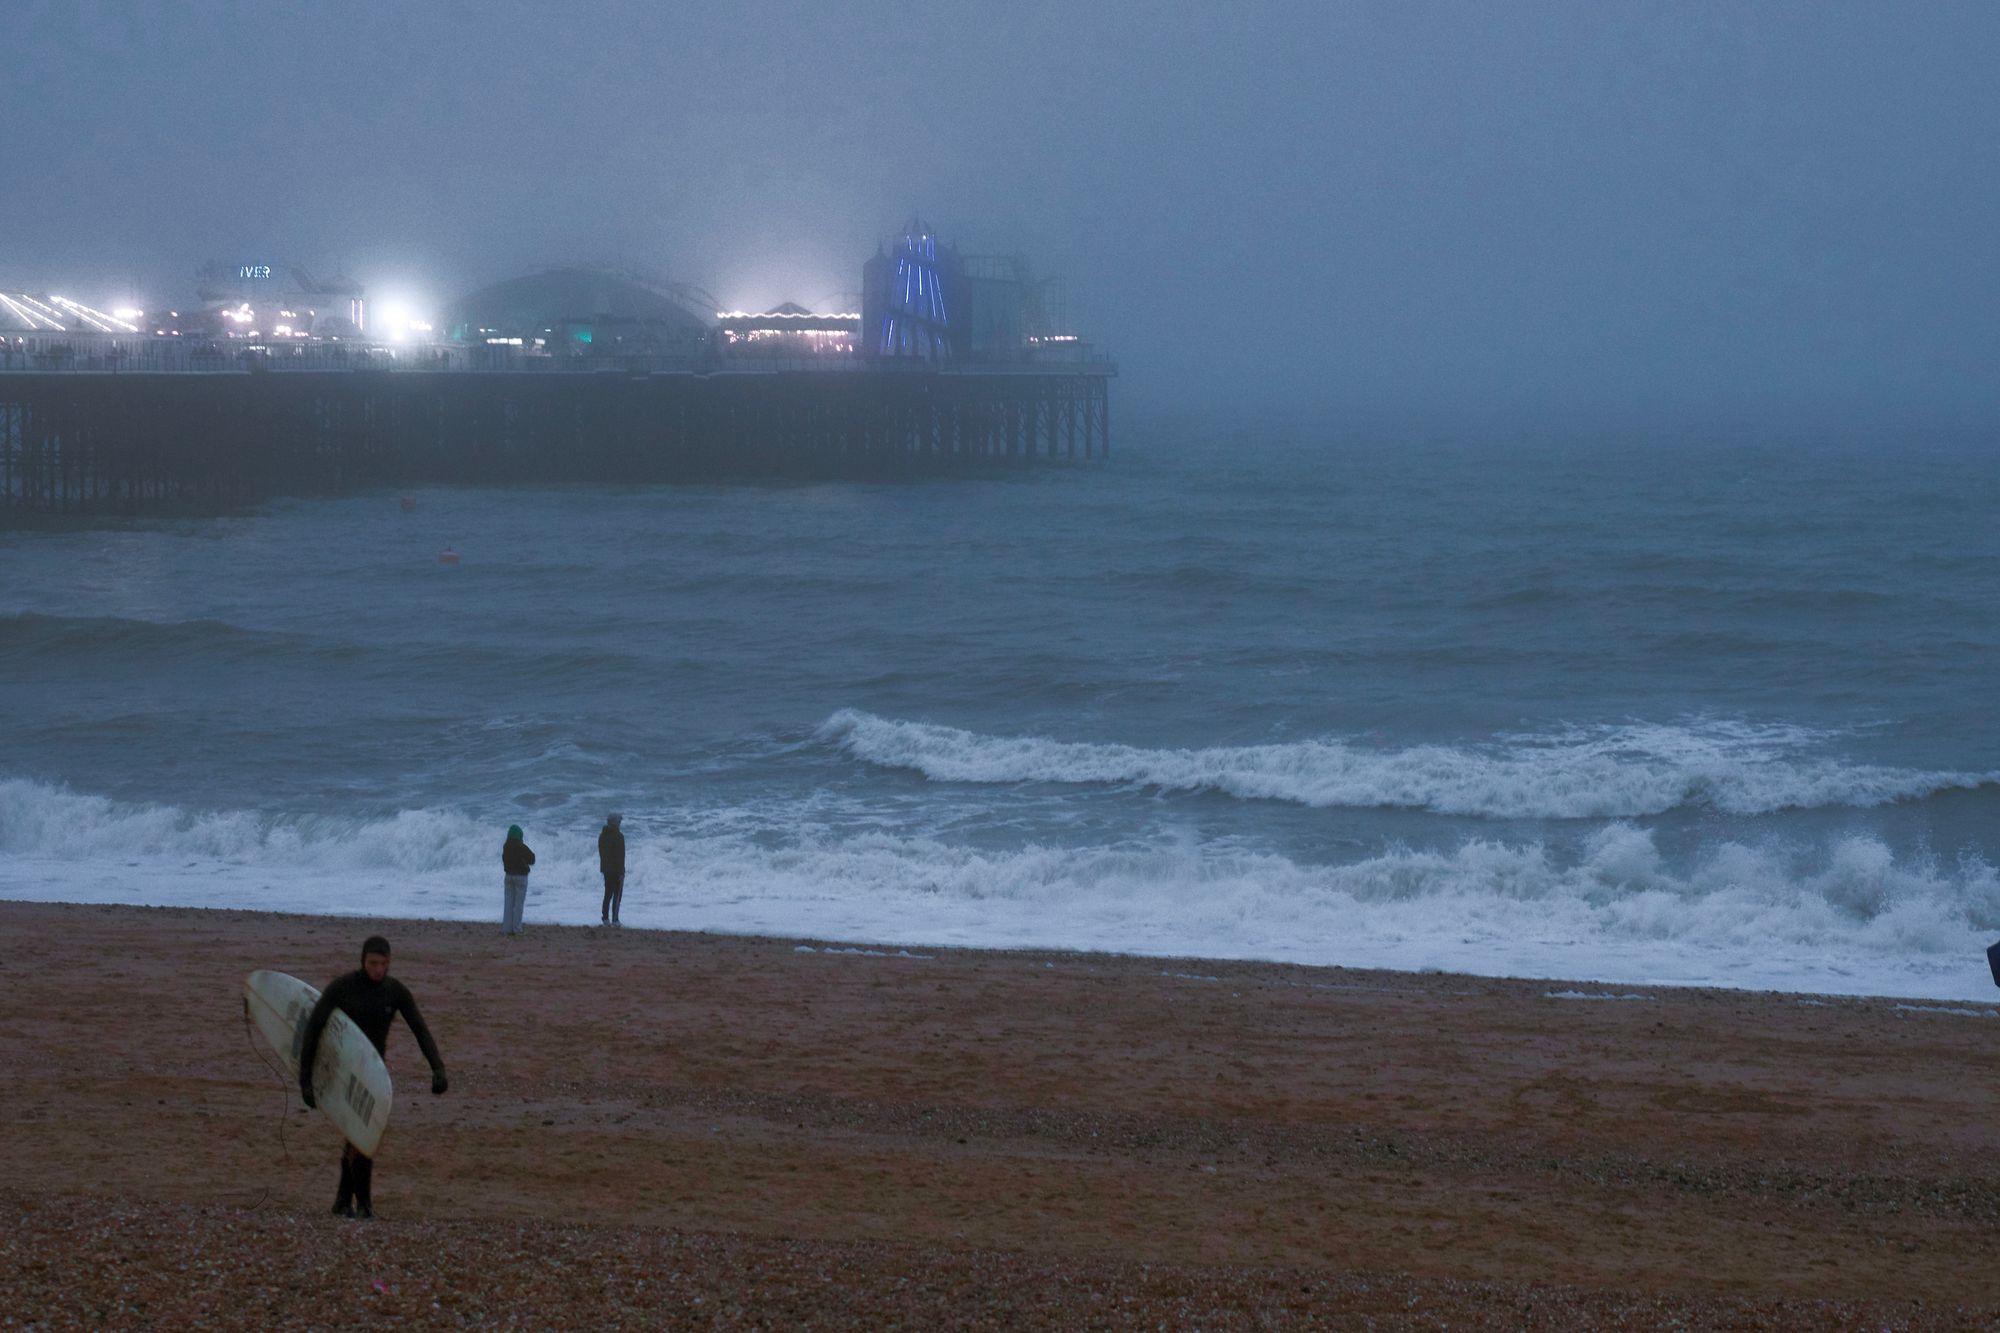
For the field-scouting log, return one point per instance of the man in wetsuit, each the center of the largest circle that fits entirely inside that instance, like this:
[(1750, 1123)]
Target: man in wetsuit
[(371, 1000)]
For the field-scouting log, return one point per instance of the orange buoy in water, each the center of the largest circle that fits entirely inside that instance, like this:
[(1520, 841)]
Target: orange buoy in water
[(409, 502), (447, 556)]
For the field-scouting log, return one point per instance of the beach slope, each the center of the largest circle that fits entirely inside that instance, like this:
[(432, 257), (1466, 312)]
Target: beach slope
[(648, 1128)]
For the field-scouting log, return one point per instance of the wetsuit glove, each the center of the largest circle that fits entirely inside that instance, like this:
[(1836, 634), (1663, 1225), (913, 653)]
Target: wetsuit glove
[(439, 1082)]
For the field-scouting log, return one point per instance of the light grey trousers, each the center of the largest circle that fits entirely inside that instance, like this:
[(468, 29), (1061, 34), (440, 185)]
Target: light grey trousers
[(514, 898)]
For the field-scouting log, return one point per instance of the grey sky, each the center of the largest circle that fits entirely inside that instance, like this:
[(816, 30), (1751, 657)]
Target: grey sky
[(1536, 212)]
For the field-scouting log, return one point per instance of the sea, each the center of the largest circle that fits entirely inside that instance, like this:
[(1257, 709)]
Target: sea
[(1634, 711)]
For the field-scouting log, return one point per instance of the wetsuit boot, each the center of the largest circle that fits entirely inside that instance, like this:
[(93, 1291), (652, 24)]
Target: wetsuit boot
[(364, 1180), (343, 1202)]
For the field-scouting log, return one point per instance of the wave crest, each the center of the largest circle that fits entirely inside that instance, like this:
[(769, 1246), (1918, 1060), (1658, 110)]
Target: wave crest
[(1620, 772)]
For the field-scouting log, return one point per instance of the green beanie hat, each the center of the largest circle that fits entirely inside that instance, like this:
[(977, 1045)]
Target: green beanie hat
[(513, 833)]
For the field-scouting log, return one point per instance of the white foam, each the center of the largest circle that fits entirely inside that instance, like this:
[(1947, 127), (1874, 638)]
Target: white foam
[(1944, 1009), (867, 953), (1589, 995), (1617, 772), (1846, 918)]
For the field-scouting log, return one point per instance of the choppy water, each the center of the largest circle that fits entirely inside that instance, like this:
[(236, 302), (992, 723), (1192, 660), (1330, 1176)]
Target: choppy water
[(1685, 713)]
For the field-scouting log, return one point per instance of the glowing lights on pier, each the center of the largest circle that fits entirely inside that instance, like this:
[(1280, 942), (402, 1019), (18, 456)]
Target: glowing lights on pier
[(783, 314), (923, 301), (789, 330), (95, 319), (21, 308), (394, 321), (916, 306), (60, 314)]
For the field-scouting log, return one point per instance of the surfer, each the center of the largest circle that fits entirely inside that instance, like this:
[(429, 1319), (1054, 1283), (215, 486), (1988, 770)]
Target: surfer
[(371, 1000), (611, 860), (516, 858)]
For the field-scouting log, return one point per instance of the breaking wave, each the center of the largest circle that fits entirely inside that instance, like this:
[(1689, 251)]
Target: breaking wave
[(1847, 916), (1612, 772)]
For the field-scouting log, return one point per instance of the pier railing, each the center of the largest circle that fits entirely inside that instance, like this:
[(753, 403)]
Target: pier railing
[(176, 357)]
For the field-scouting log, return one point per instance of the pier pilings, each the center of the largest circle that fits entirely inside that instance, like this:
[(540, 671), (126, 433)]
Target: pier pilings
[(127, 443)]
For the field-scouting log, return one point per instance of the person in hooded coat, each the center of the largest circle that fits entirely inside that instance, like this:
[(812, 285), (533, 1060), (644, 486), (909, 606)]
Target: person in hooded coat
[(611, 861), (516, 859)]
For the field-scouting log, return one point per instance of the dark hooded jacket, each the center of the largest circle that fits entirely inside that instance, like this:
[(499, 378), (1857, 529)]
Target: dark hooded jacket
[(611, 852), (516, 856)]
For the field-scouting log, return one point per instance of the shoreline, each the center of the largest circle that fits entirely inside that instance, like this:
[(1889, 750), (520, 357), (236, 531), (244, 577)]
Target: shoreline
[(1191, 959), (1099, 1127), (1970, 1007)]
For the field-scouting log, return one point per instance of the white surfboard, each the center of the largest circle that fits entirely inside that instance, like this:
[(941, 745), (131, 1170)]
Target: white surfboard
[(350, 1083)]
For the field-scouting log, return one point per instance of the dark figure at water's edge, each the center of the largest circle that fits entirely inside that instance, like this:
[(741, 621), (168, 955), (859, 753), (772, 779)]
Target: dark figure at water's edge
[(516, 857), (611, 860), (371, 1000)]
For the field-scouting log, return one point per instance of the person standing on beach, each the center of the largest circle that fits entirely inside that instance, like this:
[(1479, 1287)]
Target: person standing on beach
[(371, 1000), (611, 860), (516, 857)]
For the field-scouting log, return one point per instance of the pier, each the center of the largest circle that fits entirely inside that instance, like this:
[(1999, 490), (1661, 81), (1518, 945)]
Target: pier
[(953, 363), (131, 440)]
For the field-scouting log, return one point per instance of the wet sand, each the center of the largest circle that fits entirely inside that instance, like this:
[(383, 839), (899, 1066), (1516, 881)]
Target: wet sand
[(648, 1128)]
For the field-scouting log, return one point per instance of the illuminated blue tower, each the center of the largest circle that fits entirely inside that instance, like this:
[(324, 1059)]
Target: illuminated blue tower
[(907, 297)]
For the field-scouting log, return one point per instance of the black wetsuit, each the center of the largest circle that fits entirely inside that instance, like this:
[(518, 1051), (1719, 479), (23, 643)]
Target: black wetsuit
[(372, 1006)]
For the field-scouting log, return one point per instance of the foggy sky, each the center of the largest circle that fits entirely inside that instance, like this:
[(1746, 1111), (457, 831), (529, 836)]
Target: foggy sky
[(1396, 211)]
